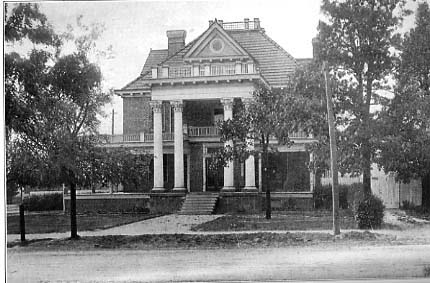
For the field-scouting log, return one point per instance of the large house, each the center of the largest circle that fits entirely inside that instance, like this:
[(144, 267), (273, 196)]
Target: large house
[(172, 108)]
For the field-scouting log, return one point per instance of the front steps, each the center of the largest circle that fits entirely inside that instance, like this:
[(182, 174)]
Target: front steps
[(199, 203)]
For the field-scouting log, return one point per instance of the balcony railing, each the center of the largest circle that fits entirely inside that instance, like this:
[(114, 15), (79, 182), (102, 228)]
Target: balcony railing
[(299, 135), (203, 132), (208, 131), (135, 138), (204, 70)]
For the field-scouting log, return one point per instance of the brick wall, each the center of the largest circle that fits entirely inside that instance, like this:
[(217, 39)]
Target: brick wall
[(137, 115), (109, 204), (136, 203), (255, 202)]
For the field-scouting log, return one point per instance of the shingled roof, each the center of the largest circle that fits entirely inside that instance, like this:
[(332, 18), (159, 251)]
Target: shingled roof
[(274, 62)]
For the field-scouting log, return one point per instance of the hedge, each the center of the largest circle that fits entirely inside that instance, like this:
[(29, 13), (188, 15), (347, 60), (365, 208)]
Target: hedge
[(51, 201), (349, 196)]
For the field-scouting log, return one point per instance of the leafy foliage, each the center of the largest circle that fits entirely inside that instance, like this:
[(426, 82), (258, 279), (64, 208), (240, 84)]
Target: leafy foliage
[(405, 138), (26, 21), (370, 213), (355, 41), (271, 113), (52, 103)]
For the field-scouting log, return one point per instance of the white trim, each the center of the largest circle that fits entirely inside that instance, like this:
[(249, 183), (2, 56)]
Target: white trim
[(204, 37), (203, 92)]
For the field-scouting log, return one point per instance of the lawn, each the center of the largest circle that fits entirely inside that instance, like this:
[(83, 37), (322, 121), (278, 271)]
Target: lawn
[(59, 222), (215, 241), (292, 220)]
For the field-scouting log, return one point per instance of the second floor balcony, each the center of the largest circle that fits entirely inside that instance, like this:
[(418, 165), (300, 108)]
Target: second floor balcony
[(190, 132)]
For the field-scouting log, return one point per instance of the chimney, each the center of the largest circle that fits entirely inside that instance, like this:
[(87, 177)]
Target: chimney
[(246, 21), (256, 23), (176, 40)]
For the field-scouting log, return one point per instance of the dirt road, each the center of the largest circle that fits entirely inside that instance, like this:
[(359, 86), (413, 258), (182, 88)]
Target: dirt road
[(291, 263)]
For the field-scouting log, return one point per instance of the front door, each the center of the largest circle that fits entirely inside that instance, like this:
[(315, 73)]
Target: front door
[(214, 177)]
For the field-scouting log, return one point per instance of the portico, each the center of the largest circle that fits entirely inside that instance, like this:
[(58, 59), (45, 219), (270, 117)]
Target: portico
[(178, 144)]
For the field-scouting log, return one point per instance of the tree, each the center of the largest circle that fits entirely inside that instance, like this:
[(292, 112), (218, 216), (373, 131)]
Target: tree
[(405, 121), (356, 40), (25, 22), (53, 104), (271, 114)]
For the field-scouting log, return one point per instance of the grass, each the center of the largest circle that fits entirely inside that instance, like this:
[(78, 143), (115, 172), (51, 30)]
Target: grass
[(304, 220), (215, 241), (59, 222)]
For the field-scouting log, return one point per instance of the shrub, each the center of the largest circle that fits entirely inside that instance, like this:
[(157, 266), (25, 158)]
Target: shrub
[(11, 192), (407, 205), (52, 201), (323, 196), (370, 213)]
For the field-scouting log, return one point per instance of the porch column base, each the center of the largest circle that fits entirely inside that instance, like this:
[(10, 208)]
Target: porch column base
[(228, 189), (180, 190), (158, 190), (250, 189)]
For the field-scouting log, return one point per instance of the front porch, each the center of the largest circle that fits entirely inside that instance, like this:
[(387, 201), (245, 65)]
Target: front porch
[(182, 139)]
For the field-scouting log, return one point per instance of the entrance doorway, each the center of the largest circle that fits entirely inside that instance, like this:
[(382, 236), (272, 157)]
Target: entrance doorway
[(214, 177)]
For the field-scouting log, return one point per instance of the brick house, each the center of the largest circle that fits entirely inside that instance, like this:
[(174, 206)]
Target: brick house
[(171, 110)]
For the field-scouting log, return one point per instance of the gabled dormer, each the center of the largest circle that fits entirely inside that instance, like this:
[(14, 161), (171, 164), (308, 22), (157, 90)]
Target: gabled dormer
[(215, 44), (214, 55)]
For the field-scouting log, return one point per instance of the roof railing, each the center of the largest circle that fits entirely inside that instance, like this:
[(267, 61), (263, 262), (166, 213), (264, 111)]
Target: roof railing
[(245, 25)]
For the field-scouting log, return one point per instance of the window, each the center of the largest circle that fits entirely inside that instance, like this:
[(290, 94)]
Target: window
[(217, 45)]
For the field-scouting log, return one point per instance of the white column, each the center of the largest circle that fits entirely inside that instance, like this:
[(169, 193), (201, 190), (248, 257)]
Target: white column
[(249, 163), (260, 173), (311, 173), (158, 147), (229, 169), (178, 147), (188, 173)]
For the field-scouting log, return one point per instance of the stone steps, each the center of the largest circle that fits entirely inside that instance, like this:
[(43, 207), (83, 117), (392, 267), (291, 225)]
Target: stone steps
[(199, 203)]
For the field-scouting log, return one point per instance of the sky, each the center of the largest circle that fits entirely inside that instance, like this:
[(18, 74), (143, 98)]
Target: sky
[(132, 28)]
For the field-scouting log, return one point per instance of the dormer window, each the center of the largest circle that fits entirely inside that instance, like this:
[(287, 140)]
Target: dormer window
[(217, 45)]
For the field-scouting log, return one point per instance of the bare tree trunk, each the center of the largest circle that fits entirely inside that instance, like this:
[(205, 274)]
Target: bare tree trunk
[(73, 222), (265, 179), (333, 155), (366, 147)]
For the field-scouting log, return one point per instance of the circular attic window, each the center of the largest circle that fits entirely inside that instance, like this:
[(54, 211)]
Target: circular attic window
[(217, 45)]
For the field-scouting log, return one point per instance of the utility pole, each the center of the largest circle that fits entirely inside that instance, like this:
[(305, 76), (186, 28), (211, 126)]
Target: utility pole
[(113, 121), (333, 152)]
